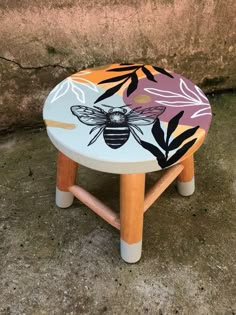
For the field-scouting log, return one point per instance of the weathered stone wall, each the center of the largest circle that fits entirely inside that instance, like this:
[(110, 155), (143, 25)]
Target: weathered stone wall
[(44, 41)]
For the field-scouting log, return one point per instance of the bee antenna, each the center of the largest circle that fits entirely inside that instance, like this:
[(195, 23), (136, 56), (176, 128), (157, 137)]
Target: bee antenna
[(125, 105), (107, 105)]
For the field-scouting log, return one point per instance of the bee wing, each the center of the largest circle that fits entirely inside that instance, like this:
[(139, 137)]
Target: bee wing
[(145, 116), (89, 116)]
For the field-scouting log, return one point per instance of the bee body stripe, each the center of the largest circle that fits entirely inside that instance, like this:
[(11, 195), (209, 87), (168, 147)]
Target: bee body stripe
[(116, 129), (115, 137), (115, 134)]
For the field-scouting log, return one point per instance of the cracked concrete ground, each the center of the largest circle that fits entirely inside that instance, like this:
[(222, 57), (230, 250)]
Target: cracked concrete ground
[(56, 261)]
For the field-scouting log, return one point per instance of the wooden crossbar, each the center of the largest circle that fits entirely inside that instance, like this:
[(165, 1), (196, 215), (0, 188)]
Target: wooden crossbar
[(161, 185), (108, 214), (96, 205)]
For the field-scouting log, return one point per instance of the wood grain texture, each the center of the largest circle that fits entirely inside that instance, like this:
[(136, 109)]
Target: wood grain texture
[(188, 172), (132, 187), (66, 172)]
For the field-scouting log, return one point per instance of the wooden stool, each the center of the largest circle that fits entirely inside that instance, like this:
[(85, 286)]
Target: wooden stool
[(127, 119)]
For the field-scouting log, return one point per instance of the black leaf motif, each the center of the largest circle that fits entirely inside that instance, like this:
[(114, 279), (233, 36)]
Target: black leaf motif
[(148, 74), (173, 123), (183, 136), (154, 150), (132, 74), (162, 163), (158, 134), (178, 154), (133, 84), (109, 92), (124, 68), (114, 79), (163, 71)]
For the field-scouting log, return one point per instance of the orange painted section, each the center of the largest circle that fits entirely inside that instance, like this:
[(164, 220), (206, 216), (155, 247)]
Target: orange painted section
[(59, 124), (193, 149), (99, 74), (200, 134), (66, 172), (188, 172)]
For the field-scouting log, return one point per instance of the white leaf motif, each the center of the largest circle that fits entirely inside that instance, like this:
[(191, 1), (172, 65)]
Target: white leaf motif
[(89, 84), (197, 113), (79, 93), (61, 90), (184, 88), (176, 103), (83, 72), (162, 93), (188, 98), (200, 92)]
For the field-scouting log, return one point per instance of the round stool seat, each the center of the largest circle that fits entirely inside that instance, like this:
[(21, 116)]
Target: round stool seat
[(127, 118)]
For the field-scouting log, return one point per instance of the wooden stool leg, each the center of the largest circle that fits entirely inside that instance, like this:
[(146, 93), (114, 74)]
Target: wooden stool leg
[(132, 188), (185, 182), (66, 176)]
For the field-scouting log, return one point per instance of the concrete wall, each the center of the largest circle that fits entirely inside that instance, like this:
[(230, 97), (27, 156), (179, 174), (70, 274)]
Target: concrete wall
[(44, 41)]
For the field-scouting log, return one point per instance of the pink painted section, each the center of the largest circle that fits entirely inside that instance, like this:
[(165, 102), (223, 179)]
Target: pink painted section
[(176, 94)]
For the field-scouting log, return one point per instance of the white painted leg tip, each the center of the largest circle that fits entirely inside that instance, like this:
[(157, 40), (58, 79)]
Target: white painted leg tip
[(131, 253), (64, 199), (186, 188)]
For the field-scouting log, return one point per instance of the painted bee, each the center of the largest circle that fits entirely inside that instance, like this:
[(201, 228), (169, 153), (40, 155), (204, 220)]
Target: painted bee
[(116, 124)]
